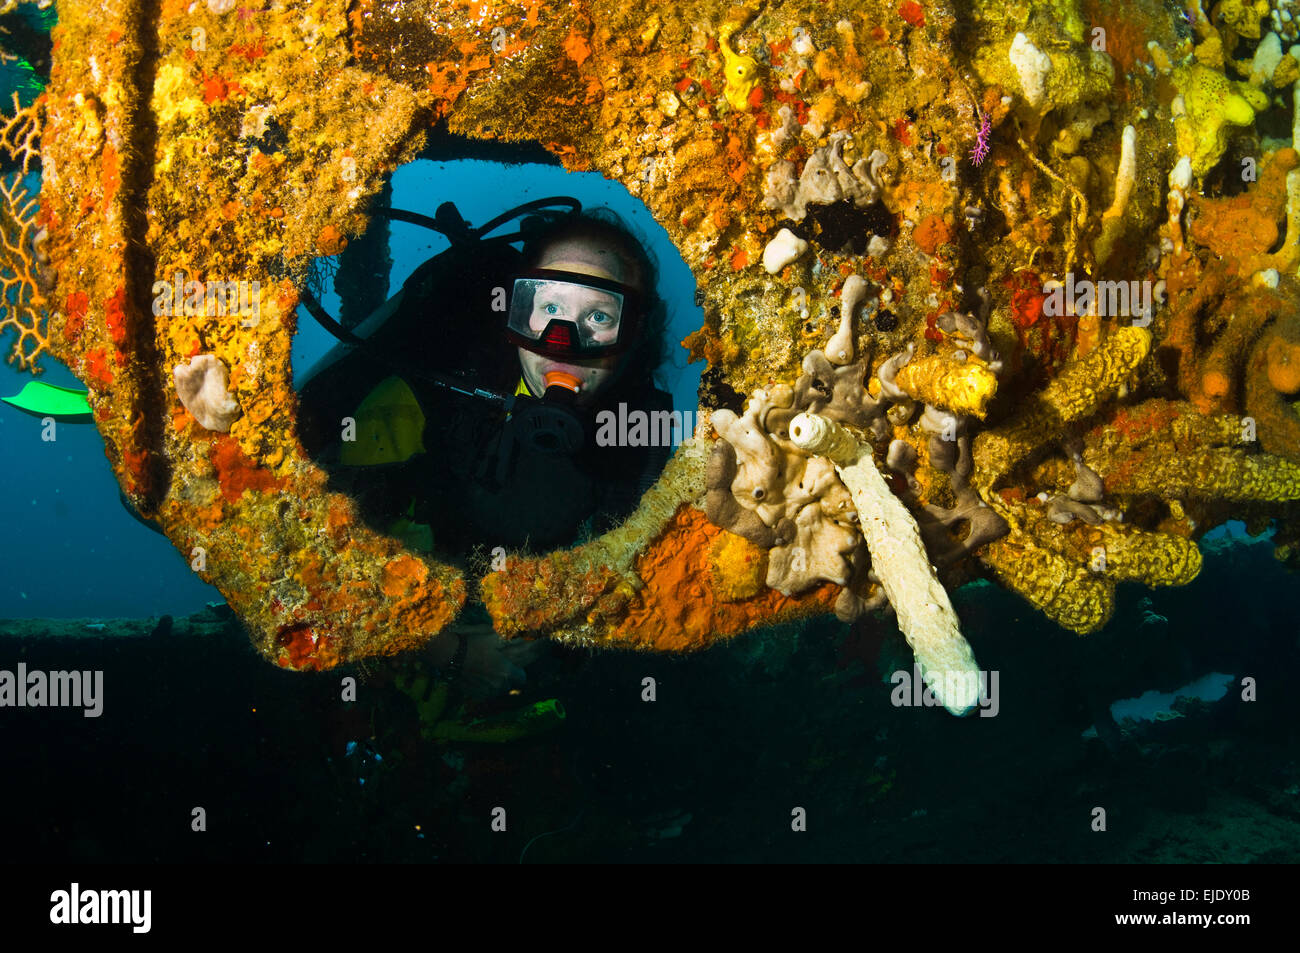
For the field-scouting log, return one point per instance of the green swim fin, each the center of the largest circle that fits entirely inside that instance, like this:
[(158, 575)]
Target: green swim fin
[(528, 722), (46, 400)]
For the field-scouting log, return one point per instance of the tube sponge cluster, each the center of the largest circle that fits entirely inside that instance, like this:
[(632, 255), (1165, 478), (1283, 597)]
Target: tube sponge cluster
[(925, 613)]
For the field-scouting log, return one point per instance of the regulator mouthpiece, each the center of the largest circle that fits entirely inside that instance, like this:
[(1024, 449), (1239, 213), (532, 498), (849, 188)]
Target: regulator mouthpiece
[(563, 380), (553, 424)]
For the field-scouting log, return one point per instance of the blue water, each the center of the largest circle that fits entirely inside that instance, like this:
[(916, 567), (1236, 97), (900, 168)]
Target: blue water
[(482, 190), (71, 550), (1208, 688)]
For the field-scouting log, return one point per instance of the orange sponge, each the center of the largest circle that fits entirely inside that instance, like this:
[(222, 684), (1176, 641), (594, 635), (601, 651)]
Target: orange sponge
[(1283, 356)]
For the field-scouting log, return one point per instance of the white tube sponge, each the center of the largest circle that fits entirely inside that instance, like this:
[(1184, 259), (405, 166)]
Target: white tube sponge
[(898, 557), (1112, 220), (1126, 175), (1032, 65), (839, 351), (1180, 181), (782, 250)]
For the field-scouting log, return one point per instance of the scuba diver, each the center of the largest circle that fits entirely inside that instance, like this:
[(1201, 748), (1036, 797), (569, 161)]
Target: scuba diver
[(460, 414), (461, 418)]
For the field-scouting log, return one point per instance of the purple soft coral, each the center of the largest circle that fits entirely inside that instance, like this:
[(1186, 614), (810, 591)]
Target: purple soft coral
[(981, 150)]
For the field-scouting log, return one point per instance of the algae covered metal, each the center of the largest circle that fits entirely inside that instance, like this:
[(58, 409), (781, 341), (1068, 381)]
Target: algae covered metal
[(1039, 258)]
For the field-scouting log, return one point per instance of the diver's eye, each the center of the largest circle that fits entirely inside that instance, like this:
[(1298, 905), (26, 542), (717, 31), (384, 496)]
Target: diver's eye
[(552, 309), (600, 318)]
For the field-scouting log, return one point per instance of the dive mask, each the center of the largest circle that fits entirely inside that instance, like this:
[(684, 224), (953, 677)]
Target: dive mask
[(568, 314)]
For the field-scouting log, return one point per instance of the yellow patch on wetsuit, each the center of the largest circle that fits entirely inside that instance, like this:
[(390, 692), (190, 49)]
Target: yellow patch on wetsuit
[(390, 427), (521, 390)]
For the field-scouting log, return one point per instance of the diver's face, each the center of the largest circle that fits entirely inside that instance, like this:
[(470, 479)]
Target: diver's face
[(597, 310)]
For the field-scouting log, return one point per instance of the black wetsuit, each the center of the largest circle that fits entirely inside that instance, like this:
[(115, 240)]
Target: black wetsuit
[(476, 486)]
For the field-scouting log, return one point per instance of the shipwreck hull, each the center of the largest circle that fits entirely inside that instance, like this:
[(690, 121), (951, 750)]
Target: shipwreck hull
[(228, 143)]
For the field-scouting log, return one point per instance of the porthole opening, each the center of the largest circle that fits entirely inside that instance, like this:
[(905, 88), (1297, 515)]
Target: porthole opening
[(470, 409)]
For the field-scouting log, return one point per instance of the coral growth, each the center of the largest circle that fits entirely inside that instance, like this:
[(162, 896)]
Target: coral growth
[(24, 273), (825, 179), (1213, 108), (907, 296), (925, 614)]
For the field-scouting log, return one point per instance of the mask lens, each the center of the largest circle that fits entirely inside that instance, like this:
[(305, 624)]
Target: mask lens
[(566, 316)]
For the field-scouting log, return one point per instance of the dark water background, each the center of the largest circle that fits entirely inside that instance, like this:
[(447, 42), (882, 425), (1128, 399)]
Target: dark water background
[(738, 738)]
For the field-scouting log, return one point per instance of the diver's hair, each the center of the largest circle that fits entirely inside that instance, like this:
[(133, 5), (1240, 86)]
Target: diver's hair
[(604, 225)]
